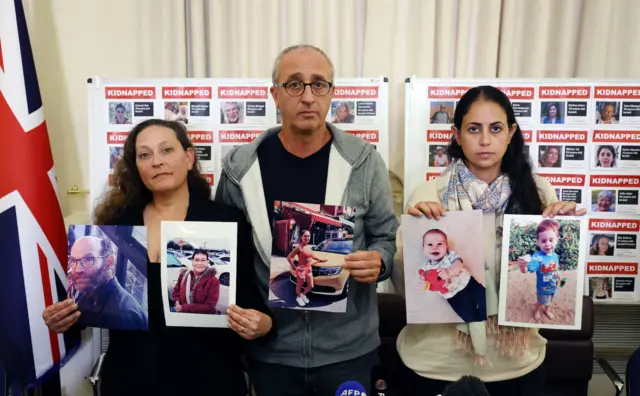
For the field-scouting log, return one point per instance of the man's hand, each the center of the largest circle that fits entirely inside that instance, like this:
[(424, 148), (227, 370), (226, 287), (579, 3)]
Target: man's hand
[(364, 265)]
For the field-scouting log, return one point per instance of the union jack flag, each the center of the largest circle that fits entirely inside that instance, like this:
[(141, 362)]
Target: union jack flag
[(33, 242)]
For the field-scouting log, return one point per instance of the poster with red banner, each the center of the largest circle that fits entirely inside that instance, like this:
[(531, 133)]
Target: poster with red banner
[(218, 114), (187, 104), (242, 105), (581, 136), (563, 104), (560, 149), (522, 100), (203, 142), (612, 280), (436, 155), (569, 187), (615, 149), (617, 104), (614, 193), (360, 107)]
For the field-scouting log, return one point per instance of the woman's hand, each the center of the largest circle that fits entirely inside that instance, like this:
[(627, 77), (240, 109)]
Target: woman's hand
[(563, 208), (430, 209), (248, 323), (59, 317), (178, 307)]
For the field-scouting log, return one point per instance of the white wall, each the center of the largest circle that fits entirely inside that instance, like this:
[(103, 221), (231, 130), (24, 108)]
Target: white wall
[(76, 39)]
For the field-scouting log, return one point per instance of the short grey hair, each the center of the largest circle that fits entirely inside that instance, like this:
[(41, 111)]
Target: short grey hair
[(276, 65)]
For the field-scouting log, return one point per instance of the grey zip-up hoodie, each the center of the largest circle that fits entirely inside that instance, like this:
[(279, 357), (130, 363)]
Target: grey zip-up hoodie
[(357, 176)]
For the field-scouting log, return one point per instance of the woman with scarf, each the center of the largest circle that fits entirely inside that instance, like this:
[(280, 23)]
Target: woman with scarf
[(490, 172), (198, 289)]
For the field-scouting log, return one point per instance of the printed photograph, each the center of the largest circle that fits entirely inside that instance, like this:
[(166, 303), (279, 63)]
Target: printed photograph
[(176, 111), (605, 156), (602, 245), (607, 112), (550, 156), (441, 112), (107, 276), (120, 113), (342, 112), (444, 269), (603, 200), (310, 243), (231, 112), (600, 288), (438, 157), (115, 153), (552, 112), (199, 272), (542, 274)]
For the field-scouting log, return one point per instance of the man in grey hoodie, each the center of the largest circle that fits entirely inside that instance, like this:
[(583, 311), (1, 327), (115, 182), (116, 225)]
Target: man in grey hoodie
[(311, 161)]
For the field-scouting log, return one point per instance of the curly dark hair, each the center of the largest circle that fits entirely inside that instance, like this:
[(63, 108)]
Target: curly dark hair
[(129, 190)]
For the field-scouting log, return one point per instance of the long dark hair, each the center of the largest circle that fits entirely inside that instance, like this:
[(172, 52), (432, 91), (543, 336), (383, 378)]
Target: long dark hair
[(515, 163), (129, 190)]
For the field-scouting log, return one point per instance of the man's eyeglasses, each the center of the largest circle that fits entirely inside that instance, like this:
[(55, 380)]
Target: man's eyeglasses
[(296, 88), (85, 262)]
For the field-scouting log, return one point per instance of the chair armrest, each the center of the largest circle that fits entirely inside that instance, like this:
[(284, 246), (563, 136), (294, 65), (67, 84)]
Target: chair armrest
[(611, 373), (94, 377)]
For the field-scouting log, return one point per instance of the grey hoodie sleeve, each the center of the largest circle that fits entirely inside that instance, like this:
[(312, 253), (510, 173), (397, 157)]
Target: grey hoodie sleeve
[(380, 223)]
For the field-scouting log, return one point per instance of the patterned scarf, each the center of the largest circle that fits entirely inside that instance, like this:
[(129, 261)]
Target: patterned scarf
[(459, 189)]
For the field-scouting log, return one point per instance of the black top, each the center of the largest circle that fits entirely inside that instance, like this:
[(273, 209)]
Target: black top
[(111, 305), (178, 360), (286, 177)]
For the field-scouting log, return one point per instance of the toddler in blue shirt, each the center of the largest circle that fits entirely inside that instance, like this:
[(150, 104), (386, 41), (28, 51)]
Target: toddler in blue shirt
[(545, 263)]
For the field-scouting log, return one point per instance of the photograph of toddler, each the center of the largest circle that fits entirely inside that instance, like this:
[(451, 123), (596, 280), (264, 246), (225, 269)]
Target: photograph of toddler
[(542, 268), (444, 269)]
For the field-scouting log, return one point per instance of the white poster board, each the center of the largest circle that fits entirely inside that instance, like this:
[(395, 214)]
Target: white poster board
[(219, 114), (593, 141)]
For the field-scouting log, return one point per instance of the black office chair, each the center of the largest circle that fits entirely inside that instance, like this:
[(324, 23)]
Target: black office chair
[(631, 376), (615, 379)]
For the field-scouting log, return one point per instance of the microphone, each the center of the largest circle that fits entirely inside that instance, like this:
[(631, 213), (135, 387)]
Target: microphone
[(351, 388)]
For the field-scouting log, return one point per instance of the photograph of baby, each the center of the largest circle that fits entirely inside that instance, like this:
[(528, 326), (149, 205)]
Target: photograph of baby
[(199, 272), (444, 268), (542, 274), (107, 276), (310, 243)]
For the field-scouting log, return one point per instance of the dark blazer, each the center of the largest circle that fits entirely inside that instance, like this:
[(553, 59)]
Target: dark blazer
[(177, 360), (113, 307)]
